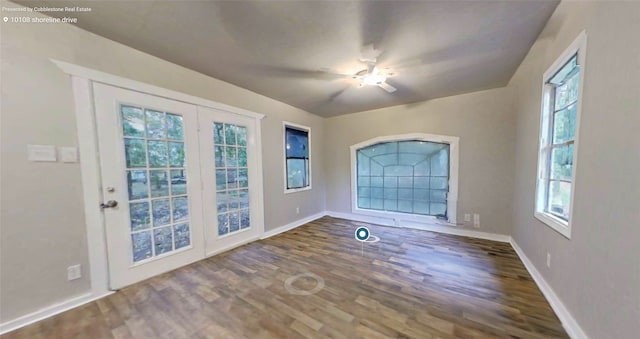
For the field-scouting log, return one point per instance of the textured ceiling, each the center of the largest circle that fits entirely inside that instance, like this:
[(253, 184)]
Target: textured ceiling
[(292, 50)]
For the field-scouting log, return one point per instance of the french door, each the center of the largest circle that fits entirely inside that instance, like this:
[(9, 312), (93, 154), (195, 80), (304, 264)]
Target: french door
[(169, 197), (229, 167)]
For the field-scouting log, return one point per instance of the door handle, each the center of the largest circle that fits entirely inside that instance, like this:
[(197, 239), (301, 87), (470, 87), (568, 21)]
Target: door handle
[(109, 204)]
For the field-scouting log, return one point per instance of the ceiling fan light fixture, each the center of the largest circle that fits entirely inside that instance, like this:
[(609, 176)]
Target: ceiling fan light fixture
[(373, 79)]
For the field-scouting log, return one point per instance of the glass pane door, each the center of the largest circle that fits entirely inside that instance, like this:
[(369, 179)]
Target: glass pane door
[(179, 182), (150, 168), (232, 189), (156, 181), (232, 177)]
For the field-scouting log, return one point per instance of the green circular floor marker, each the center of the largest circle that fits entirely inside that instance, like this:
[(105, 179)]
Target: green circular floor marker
[(362, 233)]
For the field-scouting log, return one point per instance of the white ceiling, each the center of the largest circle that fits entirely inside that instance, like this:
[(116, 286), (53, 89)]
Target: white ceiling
[(288, 50)]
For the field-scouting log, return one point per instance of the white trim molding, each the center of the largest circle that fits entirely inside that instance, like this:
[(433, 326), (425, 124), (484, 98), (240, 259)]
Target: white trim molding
[(114, 80), (82, 83), (436, 226), (50, 311), (229, 247), (74, 302), (292, 225), (91, 176), (82, 80), (568, 321)]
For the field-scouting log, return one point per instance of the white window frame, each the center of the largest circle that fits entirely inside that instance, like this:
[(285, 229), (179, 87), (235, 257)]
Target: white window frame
[(452, 196), (307, 129), (579, 47)]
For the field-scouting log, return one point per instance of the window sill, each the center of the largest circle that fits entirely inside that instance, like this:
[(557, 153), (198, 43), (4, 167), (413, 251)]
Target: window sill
[(294, 190), (397, 216), (555, 223)]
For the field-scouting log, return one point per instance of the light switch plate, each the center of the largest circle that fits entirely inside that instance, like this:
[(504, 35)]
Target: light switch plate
[(69, 154), (46, 153)]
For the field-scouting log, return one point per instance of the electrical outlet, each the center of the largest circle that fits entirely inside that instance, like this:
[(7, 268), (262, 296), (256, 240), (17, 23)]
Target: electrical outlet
[(467, 217), (298, 210), (74, 272), (548, 260), (476, 220)]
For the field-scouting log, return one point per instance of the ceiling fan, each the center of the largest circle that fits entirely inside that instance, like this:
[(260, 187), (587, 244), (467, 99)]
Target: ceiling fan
[(373, 75), (370, 76)]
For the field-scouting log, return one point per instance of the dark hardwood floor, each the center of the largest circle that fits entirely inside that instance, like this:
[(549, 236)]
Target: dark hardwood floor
[(411, 284)]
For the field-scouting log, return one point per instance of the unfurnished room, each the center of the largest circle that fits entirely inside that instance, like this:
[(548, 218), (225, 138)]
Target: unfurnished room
[(320, 169)]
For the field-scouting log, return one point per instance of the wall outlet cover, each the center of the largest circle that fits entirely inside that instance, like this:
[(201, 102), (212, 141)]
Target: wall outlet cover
[(74, 272)]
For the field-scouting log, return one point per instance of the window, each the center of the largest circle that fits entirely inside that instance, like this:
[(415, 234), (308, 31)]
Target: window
[(406, 175), (559, 124), (297, 154)]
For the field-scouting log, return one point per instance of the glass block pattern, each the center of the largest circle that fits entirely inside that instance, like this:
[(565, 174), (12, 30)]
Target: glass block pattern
[(409, 176), (156, 181), (232, 177)]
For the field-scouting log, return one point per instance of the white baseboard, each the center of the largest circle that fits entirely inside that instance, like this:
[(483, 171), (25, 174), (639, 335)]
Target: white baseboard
[(229, 247), (568, 321), (270, 233), (80, 300), (50, 311), (422, 226), (292, 225)]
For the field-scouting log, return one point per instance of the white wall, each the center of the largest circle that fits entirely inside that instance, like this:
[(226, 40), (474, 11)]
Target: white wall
[(596, 274), (485, 123), (42, 223)]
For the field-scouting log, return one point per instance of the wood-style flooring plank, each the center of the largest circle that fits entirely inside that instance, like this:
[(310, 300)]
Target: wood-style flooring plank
[(410, 284)]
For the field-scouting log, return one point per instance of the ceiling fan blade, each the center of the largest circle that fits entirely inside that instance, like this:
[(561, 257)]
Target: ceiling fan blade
[(333, 72), (335, 95), (385, 86), (297, 73)]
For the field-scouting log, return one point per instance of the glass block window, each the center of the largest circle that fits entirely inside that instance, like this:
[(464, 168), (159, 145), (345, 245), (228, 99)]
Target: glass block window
[(232, 177), (410, 176), (297, 157), (558, 133), (156, 181)]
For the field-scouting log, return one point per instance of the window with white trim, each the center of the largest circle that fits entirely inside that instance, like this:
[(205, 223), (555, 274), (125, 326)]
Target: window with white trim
[(560, 115), (406, 177), (297, 157)]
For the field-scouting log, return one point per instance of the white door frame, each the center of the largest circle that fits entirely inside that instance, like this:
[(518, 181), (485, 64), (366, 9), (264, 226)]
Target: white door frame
[(82, 79)]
